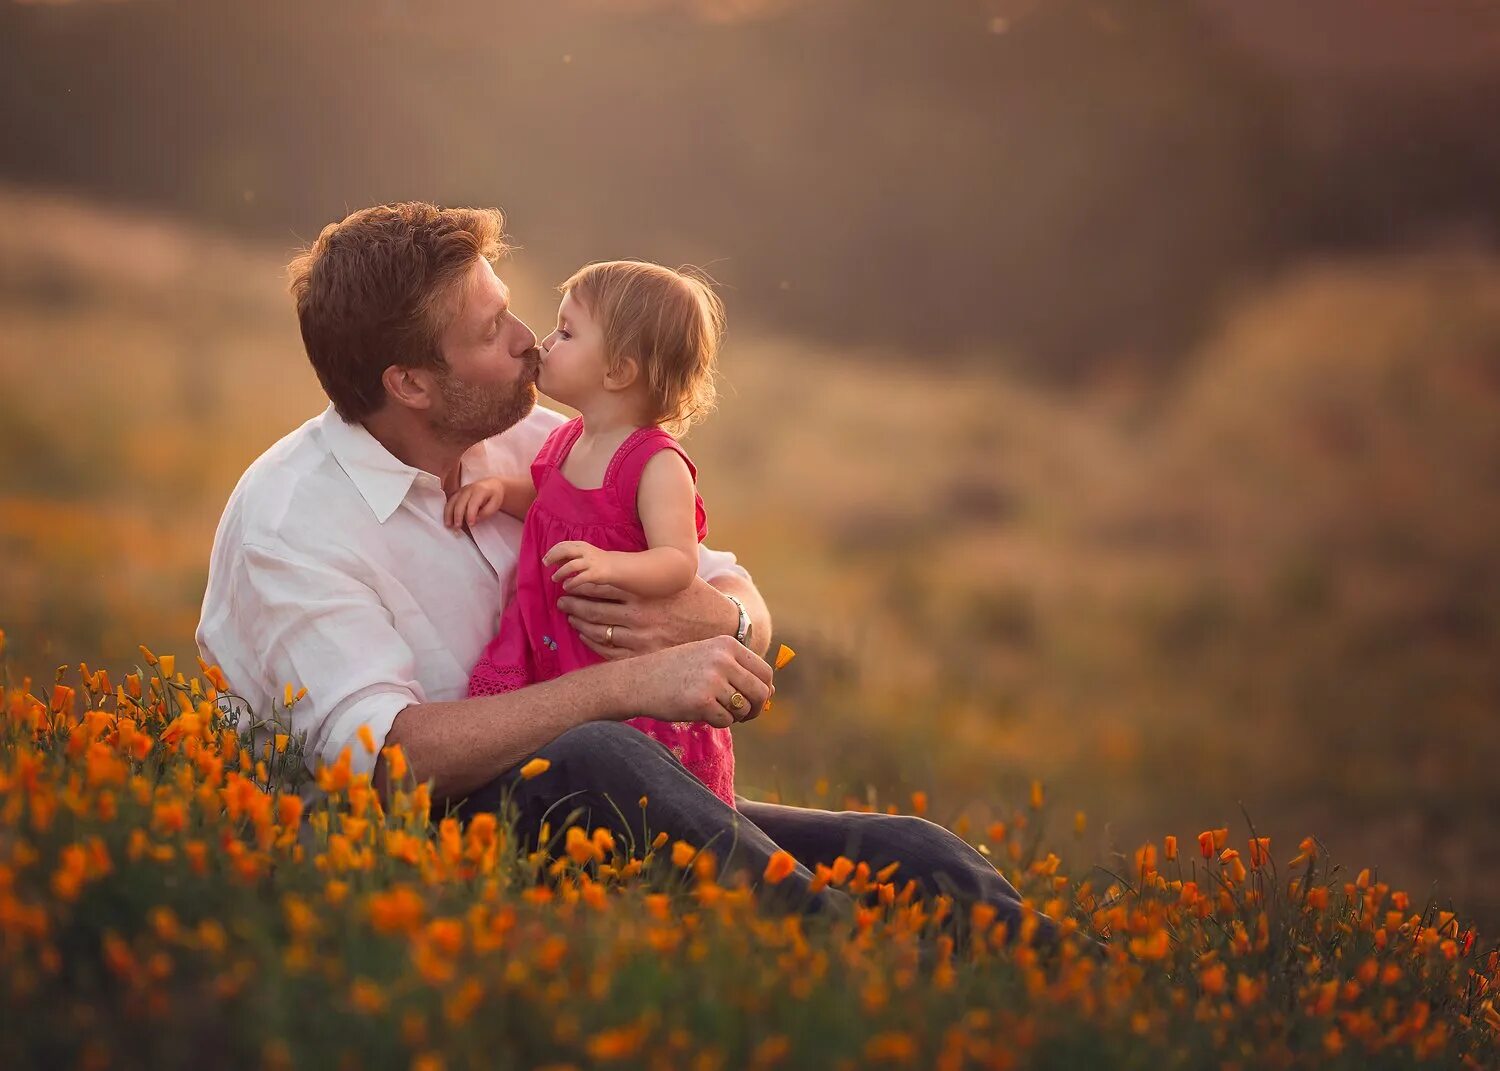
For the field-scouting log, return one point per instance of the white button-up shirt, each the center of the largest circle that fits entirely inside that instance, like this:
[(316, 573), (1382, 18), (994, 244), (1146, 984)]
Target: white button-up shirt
[(332, 570)]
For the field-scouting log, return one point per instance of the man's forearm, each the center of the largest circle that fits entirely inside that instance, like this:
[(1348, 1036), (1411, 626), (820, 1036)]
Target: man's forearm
[(464, 744), (755, 606)]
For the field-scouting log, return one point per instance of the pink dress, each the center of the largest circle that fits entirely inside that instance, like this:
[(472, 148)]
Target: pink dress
[(535, 642)]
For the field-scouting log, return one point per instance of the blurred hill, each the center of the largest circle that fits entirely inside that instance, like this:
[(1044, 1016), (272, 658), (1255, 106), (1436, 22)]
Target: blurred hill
[(1063, 186), (1271, 581)]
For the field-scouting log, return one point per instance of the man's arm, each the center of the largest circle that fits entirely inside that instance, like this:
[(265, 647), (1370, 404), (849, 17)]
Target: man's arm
[(744, 589), (644, 625), (309, 622), (463, 745)]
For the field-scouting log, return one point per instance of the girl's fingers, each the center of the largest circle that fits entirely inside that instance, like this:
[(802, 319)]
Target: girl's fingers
[(578, 580), (560, 552)]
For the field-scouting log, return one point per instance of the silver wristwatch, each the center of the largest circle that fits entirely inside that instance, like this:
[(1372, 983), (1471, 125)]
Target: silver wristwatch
[(745, 626)]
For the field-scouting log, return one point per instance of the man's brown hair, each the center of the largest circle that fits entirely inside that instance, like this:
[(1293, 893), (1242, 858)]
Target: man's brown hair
[(379, 288), (670, 321)]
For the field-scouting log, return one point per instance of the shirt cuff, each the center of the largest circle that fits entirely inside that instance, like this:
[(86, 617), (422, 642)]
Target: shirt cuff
[(713, 564), (376, 712)]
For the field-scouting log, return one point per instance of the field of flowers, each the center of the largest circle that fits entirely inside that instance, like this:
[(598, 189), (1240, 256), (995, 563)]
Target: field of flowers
[(1100, 589), (166, 900)]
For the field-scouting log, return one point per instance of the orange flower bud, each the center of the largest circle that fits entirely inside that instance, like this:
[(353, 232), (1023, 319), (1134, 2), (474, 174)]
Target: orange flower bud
[(779, 867), (395, 762), (535, 768), (1260, 851)]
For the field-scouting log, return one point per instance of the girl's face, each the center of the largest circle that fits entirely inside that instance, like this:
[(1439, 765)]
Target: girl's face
[(574, 365)]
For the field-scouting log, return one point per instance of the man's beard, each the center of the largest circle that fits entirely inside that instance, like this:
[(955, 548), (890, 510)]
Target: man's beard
[(475, 411)]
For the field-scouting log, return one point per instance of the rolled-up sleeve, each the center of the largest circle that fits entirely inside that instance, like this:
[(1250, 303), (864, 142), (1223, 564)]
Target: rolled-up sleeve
[(713, 564), (316, 627)]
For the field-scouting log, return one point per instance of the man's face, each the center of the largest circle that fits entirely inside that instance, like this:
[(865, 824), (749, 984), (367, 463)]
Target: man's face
[(490, 381)]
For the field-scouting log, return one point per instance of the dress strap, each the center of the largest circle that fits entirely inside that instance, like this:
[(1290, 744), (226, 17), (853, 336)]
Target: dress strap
[(559, 443), (625, 468)]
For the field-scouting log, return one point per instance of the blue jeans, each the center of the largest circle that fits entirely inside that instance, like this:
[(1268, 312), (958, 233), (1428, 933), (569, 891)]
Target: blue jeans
[(603, 769)]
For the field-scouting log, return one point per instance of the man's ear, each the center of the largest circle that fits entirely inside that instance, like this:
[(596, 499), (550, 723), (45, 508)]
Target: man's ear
[(411, 387), (625, 372)]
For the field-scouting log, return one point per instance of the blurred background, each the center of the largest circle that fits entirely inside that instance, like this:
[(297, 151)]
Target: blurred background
[(1112, 389)]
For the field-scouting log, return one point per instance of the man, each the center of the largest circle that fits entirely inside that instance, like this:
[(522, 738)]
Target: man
[(332, 569)]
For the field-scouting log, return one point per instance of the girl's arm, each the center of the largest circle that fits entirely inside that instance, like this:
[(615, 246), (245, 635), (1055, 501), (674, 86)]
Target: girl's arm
[(483, 498), (666, 504)]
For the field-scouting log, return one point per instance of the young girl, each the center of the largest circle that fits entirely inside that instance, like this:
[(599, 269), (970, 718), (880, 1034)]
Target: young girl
[(611, 497)]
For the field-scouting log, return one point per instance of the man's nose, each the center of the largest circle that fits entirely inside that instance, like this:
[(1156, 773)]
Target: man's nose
[(528, 344)]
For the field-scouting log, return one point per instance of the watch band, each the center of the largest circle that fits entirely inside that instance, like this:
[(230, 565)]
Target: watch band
[(742, 627)]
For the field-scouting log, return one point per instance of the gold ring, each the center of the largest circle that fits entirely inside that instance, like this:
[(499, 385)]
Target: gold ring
[(736, 701), (609, 636)]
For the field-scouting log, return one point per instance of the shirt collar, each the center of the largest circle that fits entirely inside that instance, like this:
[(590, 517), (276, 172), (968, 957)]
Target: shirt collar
[(382, 479)]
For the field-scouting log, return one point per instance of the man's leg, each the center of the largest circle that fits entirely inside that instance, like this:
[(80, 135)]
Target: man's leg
[(939, 861), (603, 769)]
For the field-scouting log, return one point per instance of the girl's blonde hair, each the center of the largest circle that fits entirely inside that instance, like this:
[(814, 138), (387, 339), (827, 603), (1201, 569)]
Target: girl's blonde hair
[(670, 321)]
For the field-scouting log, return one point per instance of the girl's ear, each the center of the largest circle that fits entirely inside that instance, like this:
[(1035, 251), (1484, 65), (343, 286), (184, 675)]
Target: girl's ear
[(625, 372), (411, 387)]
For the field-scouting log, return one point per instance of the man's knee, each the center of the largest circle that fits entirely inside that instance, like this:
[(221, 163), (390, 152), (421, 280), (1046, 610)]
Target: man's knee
[(595, 746), (897, 834)]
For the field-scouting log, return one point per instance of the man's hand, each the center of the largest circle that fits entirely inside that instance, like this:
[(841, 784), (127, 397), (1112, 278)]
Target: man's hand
[(642, 625), (698, 681), (579, 563), (473, 502)]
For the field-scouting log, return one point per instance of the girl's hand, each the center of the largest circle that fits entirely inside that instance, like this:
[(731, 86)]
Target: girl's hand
[(580, 563), (473, 502)]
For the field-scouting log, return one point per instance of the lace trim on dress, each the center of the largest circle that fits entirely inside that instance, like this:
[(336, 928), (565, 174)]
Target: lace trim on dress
[(490, 679)]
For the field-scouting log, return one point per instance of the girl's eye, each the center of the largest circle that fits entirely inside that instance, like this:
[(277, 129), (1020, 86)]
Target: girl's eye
[(563, 333)]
